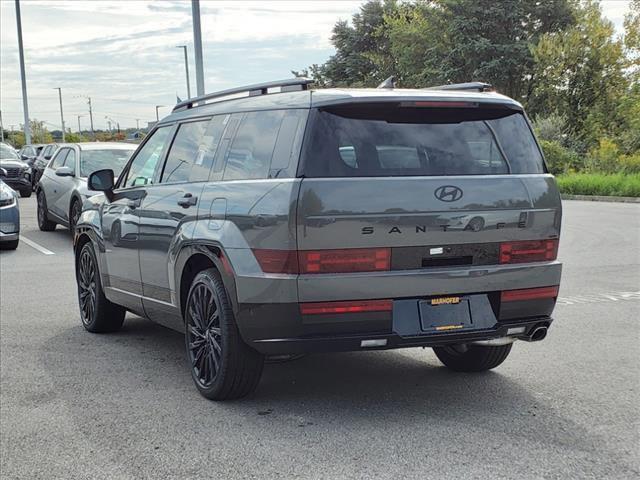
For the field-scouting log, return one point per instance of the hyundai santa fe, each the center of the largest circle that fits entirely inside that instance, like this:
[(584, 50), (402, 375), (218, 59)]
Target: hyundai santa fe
[(280, 219)]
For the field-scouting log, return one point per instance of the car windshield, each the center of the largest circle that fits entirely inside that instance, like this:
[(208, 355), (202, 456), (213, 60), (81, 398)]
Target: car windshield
[(381, 140), (93, 160), (8, 153)]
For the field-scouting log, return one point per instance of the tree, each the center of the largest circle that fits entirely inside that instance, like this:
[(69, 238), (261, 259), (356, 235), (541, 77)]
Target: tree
[(583, 72)]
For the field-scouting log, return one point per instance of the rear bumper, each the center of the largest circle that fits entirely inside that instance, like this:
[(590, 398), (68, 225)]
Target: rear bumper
[(353, 342), (9, 237)]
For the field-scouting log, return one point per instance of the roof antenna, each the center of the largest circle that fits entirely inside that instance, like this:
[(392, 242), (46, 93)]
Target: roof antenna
[(388, 83)]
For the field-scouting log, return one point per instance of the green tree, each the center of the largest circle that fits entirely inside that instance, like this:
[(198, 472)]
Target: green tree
[(583, 72)]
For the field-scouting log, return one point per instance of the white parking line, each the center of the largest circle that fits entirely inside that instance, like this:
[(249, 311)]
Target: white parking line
[(33, 244)]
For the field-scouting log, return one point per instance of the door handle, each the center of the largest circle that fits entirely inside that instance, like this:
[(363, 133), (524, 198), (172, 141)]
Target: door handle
[(188, 200)]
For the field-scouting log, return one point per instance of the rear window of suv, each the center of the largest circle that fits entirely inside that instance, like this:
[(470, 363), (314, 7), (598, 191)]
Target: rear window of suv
[(381, 140)]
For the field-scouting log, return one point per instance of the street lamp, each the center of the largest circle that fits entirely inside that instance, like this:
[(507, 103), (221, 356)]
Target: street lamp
[(186, 68), (157, 116)]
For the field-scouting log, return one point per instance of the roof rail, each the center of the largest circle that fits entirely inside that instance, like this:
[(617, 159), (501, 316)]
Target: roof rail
[(477, 86), (288, 85)]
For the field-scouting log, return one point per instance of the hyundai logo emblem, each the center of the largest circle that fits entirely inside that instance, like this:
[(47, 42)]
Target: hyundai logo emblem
[(448, 193)]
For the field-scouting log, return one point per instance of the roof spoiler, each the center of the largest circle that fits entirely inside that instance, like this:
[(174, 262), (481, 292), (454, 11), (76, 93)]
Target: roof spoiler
[(469, 86), (288, 85)]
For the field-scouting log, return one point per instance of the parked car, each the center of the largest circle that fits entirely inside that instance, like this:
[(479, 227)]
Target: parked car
[(41, 161), (16, 173), (30, 152), (247, 225), (9, 216), (63, 185)]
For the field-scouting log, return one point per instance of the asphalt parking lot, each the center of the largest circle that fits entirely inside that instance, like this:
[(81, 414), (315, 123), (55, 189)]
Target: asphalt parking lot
[(77, 405)]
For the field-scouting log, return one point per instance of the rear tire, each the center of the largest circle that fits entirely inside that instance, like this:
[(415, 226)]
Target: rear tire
[(98, 314), (223, 367), (74, 214), (44, 223), (476, 358), (11, 245), (26, 193)]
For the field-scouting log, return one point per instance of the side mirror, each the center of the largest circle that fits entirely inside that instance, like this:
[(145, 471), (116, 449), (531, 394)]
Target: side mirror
[(47, 157), (65, 172), (3, 172), (102, 181)]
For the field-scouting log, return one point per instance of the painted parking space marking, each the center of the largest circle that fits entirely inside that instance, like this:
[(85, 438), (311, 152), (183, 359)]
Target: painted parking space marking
[(33, 244), (599, 298)]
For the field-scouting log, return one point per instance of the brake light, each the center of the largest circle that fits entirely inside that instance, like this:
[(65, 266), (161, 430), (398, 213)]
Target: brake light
[(529, 251), (277, 261), (529, 294), (345, 261), (327, 308), (440, 104)]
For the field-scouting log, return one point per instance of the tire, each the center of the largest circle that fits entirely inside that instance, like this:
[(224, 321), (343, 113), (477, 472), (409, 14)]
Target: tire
[(44, 223), (98, 314), (74, 214), (25, 193), (11, 245), (475, 358), (222, 366)]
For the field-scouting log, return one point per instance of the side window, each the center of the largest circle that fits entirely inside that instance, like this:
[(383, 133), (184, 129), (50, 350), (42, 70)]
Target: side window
[(70, 160), (143, 166), (59, 159), (188, 154), (252, 148)]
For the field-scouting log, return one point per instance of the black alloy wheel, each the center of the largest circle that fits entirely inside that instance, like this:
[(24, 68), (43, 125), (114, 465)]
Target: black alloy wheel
[(74, 215), (87, 277), (44, 223), (204, 335)]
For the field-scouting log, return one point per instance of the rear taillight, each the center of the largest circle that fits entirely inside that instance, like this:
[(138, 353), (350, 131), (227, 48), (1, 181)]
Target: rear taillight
[(345, 261), (529, 294), (277, 261), (529, 251), (360, 306)]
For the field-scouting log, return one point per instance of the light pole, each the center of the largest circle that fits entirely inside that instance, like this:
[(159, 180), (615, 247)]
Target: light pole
[(186, 68), (25, 103), (61, 114), (79, 129), (157, 116), (137, 124), (93, 133), (197, 46)]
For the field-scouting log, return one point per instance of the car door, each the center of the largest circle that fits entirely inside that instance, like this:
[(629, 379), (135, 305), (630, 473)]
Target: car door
[(120, 221), (169, 211), (50, 182), (65, 185)]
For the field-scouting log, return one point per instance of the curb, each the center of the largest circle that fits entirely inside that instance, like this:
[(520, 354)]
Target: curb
[(601, 198)]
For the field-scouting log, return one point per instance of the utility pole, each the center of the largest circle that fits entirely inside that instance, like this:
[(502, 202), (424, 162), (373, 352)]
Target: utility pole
[(61, 114), (137, 124), (25, 103), (79, 129), (186, 68), (1, 128), (93, 133), (109, 124), (197, 46)]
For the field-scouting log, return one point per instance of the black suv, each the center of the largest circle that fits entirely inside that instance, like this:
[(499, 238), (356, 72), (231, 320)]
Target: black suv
[(293, 220)]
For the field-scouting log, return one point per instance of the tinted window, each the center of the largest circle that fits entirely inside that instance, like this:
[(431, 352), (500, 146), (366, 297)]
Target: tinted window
[(378, 140), (252, 148), (143, 166), (94, 160), (188, 149), (59, 159)]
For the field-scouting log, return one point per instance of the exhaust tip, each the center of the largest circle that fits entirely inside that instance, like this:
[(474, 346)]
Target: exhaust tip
[(539, 333)]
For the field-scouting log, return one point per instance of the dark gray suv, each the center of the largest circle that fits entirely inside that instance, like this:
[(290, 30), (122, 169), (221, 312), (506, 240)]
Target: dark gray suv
[(292, 220)]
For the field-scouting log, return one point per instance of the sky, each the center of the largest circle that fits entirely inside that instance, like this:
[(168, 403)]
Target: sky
[(122, 53)]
